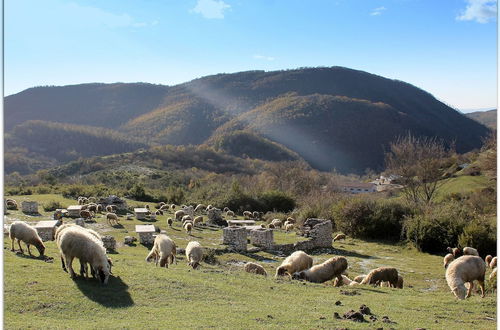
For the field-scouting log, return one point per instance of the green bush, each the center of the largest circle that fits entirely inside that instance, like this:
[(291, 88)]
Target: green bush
[(276, 201), (52, 206), (480, 234)]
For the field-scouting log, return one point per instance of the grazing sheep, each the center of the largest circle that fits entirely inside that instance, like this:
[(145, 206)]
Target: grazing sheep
[(225, 209), (344, 281), (159, 212), (146, 206), (179, 214), (455, 251), (197, 220), (359, 278), (164, 208), (161, 204), (163, 251), (465, 269), (333, 267), (79, 243), (209, 207), (84, 207), (382, 274), (277, 223), (188, 227), (92, 207), (399, 284), (99, 208), (296, 262), (92, 199), (110, 217), (173, 206), (170, 221), (11, 204), (339, 237), (230, 213), (251, 267), (194, 254), (493, 276), (129, 240), (200, 208), (289, 227), (487, 259), (23, 232), (448, 259), (111, 208), (247, 215), (271, 226), (186, 218), (493, 262), (86, 214), (291, 220), (470, 251)]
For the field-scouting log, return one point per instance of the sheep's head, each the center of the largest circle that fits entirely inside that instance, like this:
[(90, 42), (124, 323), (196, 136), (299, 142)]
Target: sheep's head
[(40, 247), (299, 276), (460, 292), (281, 271), (103, 274)]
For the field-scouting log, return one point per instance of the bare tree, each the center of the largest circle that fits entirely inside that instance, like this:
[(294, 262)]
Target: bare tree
[(419, 161)]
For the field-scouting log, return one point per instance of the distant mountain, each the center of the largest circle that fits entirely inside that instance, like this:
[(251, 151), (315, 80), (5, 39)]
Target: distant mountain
[(335, 118), (487, 118)]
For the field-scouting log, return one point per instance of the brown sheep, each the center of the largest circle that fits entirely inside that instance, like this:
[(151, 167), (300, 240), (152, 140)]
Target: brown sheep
[(112, 217), (86, 214), (382, 274), (455, 251), (487, 259), (170, 221), (251, 267), (333, 267), (339, 237), (493, 262)]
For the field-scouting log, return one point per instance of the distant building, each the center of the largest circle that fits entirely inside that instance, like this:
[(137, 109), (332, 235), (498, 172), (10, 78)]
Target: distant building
[(358, 187)]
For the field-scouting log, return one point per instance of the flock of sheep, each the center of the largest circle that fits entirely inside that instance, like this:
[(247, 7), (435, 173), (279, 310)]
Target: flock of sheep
[(463, 267)]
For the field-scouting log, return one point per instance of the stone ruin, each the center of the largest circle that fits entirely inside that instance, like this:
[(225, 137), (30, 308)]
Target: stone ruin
[(319, 232), (235, 237), (29, 207), (109, 242), (121, 205), (189, 210), (215, 217), (262, 238)]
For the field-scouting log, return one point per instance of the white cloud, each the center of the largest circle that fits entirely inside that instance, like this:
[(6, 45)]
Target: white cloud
[(481, 11), (211, 8), (378, 11), (262, 57)]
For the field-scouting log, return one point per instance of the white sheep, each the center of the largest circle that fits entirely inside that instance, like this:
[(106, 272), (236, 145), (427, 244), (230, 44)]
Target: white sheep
[(197, 220), (200, 208), (289, 227), (470, 251), (333, 267), (23, 232), (338, 237), (290, 220), (296, 262), (493, 262), (194, 254), (186, 218), (179, 214), (75, 242), (173, 206), (251, 267), (448, 259), (230, 213), (465, 269), (488, 259), (188, 226), (163, 251), (277, 223), (345, 281), (247, 214)]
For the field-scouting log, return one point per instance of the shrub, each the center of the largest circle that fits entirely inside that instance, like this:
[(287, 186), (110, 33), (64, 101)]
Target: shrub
[(52, 206), (480, 234), (276, 201)]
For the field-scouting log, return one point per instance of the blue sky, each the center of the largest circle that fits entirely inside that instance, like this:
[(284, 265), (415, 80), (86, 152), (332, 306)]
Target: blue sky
[(447, 47)]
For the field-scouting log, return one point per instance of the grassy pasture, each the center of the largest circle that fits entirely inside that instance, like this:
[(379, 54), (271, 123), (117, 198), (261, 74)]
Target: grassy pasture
[(38, 294)]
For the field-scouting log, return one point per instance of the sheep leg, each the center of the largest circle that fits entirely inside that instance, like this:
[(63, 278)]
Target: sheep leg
[(470, 289), (63, 265), (481, 285), (69, 264), (29, 250), (20, 248), (12, 245)]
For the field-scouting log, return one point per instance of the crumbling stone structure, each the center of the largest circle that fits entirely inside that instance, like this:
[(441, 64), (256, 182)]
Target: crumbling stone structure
[(235, 237), (262, 238)]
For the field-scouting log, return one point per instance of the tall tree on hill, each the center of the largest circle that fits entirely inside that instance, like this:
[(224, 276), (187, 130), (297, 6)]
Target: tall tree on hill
[(420, 163)]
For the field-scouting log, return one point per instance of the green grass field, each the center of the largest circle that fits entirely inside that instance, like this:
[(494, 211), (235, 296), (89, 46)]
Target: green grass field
[(39, 294)]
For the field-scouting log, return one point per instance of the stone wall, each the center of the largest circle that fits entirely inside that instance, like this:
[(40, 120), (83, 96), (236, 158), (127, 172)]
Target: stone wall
[(319, 232), (120, 204), (262, 238), (215, 217), (29, 207), (109, 242), (236, 237)]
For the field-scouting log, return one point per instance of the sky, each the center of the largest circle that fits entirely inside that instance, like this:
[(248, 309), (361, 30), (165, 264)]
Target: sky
[(446, 47)]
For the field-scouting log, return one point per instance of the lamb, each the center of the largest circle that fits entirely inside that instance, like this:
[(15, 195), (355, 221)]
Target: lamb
[(296, 262), (194, 254), (382, 274), (112, 217), (470, 251), (230, 213), (333, 267), (197, 220), (344, 281), (359, 278), (247, 215), (455, 251), (465, 269), (448, 259), (170, 221), (289, 227), (339, 237), (75, 242), (493, 263), (23, 232), (179, 214), (251, 267), (163, 251), (199, 208), (188, 227)]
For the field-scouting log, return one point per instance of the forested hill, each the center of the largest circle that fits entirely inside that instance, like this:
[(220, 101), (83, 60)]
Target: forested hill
[(332, 117)]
